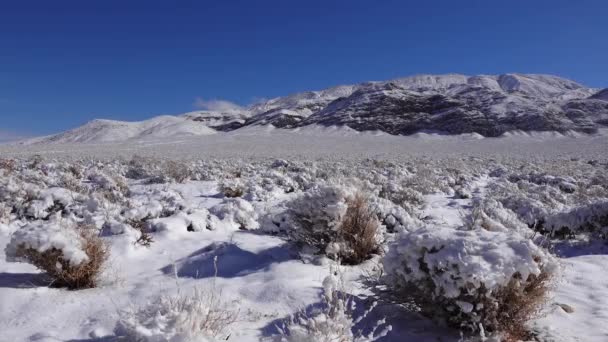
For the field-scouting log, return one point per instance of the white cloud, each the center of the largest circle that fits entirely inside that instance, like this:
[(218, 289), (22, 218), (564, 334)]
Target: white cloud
[(216, 105)]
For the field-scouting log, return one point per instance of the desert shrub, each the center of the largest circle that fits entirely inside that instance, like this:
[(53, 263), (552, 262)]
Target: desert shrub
[(8, 164), (201, 316), (144, 239), (139, 168), (332, 321), (35, 161), (113, 187), (591, 218), (232, 188), (335, 220), (73, 258), (358, 232), (402, 196), (237, 212), (474, 280), (490, 215), (70, 182), (178, 171)]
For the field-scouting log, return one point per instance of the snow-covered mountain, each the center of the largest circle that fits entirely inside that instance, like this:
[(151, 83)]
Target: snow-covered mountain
[(165, 126), (489, 105)]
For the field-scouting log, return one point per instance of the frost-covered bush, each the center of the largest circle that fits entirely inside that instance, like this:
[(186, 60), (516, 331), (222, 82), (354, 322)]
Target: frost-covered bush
[(201, 316), (403, 196), (178, 171), (232, 188), (332, 321), (490, 215), (8, 165), (315, 216), (591, 218), (72, 257), (335, 220), (237, 212), (475, 280), (114, 187)]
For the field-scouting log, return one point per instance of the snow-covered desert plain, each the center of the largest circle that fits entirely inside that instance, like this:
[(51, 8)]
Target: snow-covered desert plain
[(312, 233)]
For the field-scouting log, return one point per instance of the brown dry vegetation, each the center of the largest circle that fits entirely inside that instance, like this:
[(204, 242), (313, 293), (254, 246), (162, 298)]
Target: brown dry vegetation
[(505, 311), (358, 231), (74, 277)]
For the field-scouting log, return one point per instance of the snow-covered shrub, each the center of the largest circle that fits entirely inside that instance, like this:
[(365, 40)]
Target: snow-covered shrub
[(490, 215), (405, 197), (139, 168), (178, 171), (72, 257), (591, 218), (335, 220), (202, 316), (476, 280), (48, 202), (8, 165), (237, 212), (315, 216), (393, 217), (232, 188), (333, 321), (114, 187)]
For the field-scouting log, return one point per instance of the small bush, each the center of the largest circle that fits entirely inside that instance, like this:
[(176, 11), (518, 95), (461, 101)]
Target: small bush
[(144, 239), (8, 164), (178, 171), (72, 264), (232, 188), (335, 220), (474, 280), (200, 316), (333, 321), (358, 231)]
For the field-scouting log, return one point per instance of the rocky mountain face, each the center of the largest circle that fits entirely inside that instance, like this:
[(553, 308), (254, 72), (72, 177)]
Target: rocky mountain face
[(452, 104)]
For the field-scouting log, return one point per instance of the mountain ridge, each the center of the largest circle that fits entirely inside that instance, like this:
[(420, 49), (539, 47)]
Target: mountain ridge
[(489, 105)]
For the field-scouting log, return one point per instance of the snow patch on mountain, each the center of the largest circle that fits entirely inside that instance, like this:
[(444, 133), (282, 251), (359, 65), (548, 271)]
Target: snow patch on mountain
[(98, 131)]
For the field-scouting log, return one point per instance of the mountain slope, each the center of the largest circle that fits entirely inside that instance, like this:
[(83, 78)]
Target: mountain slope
[(453, 104), (110, 130)]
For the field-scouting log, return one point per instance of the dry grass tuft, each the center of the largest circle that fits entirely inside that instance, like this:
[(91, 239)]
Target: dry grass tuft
[(518, 303), (81, 276), (358, 231)]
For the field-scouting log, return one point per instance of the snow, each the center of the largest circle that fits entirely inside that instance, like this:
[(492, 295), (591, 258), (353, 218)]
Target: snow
[(482, 258), (270, 279), (42, 237), (100, 131)]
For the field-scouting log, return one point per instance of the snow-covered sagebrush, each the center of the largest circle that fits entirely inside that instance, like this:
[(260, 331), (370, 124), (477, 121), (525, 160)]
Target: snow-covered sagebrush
[(332, 321), (460, 276)]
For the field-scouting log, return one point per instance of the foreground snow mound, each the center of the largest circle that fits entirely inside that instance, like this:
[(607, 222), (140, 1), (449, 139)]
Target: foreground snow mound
[(471, 278), (44, 236)]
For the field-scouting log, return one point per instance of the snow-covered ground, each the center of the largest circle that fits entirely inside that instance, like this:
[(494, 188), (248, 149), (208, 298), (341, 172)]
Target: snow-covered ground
[(241, 250)]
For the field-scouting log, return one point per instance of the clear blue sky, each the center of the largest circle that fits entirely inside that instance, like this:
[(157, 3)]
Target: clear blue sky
[(63, 63)]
